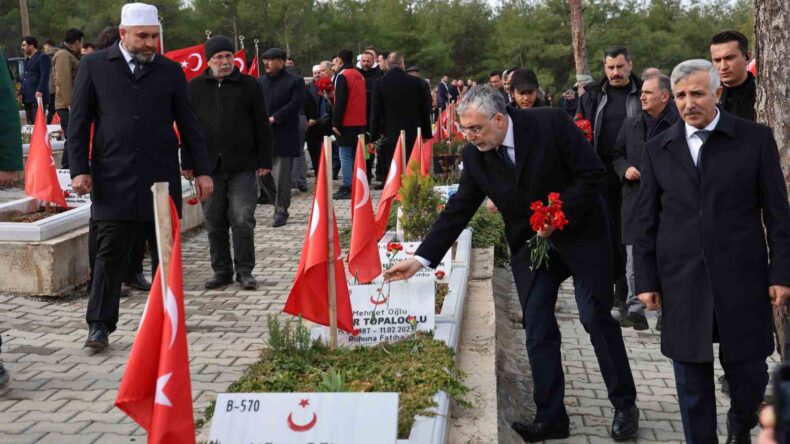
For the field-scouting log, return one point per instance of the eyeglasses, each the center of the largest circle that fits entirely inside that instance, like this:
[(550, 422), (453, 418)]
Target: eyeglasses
[(475, 129), (219, 57)]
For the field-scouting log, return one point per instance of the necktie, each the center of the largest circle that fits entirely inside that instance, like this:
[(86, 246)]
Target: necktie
[(137, 70), (703, 136), (506, 160)]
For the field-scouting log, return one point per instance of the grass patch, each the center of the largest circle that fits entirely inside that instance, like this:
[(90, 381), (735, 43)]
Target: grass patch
[(291, 363)]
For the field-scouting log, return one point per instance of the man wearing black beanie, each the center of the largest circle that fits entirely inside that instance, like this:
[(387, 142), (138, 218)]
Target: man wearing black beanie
[(230, 107)]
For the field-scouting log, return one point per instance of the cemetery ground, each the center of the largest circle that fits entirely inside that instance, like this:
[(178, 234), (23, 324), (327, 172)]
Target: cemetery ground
[(63, 393)]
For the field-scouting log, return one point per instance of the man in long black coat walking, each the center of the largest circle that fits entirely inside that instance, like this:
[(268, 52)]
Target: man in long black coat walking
[(132, 96), (517, 157), (400, 102), (712, 249)]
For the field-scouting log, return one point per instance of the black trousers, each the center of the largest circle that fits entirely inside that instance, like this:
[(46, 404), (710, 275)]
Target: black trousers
[(64, 123), (31, 108), (51, 109), (109, 267), (544, 341), (142, 233), (697, 397)]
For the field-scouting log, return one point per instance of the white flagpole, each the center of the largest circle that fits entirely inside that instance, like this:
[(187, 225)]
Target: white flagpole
[(164, 231)]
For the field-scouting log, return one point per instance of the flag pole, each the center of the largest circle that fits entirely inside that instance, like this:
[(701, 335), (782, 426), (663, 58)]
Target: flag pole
[(161, 35), (257, 60), (164, 230), (403, 150), (331, 247), (419, 147)]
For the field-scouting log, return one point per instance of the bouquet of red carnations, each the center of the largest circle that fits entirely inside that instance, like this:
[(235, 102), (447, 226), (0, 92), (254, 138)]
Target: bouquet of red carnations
[(544, 216), (584, 125)]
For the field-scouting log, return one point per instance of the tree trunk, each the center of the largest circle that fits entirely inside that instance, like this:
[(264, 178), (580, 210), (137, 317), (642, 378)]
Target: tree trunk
[(25, 17), (772, 35), (577, 34)]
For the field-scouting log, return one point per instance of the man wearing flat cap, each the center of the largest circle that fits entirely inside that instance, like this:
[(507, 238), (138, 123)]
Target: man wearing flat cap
[(132, 96), (232, 113), (284, 96), (524, 89)]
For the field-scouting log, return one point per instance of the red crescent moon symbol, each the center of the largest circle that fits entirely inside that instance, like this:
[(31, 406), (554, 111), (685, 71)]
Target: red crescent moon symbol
[(301, 428), (375, 302)]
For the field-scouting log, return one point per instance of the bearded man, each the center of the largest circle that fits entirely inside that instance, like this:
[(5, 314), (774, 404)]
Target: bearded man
[(132, 96)]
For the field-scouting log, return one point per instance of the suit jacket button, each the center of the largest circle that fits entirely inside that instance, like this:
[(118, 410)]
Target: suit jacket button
[(136, 117)]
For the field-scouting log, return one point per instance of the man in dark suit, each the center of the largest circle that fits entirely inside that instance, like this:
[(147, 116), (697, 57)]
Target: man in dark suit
[(284, 96), (712, 249), (35, 83), (443, 97), (520, 156), (658, 114), (400, 102), (132, 96)]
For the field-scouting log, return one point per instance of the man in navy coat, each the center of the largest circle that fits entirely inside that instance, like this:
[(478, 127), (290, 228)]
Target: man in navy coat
[(35, 83), (131, 96), (517, 157), (712, 249)]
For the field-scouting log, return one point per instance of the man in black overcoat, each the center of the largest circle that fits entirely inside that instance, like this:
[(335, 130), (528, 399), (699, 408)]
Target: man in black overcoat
[(132, 96), (517, 157), (712, 249), (284, 96), (400, 102)]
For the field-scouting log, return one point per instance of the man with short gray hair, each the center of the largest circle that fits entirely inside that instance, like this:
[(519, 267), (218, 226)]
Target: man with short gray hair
[(712, 250), (516, 157)]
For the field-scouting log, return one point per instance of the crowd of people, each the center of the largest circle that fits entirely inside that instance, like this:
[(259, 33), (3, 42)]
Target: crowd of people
[(676, 201)]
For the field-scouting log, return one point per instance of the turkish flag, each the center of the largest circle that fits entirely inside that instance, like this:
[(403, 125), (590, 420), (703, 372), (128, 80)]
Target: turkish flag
[(391, 188), (364, 262), (415, 159), (240, 60), (439, 135), (41, 179), (192, 60), (254, 70), (156, 389), (309, 296), (427, 157)]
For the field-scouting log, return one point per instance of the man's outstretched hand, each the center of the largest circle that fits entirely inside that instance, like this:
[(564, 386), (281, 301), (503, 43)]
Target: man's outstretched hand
[(402, 270)]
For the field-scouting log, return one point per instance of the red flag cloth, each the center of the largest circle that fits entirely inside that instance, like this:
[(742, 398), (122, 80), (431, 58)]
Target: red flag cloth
[(364, 262), (254, 70), (427, 157), (415, 157), (309, 296), (156, 390), (752, 67), (41, 179), (391, 188), (439, 135), (192, 60), (240, 60), (56, 119)]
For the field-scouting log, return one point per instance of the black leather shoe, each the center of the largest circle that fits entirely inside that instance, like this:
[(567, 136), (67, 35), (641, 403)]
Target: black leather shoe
[(247, 281), (342, 194), (279, 220), (138, 282), (658, 323), (625, 424), (217, 281), (97, 337), (4, 378), (740, 437), (124, 292), (636, 320), (539, 431)]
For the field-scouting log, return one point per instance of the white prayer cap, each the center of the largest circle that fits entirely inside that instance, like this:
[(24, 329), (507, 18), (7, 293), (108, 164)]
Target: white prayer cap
[(139, 14)]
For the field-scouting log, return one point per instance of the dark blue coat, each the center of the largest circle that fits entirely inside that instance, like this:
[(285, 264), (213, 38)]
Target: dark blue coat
[(134, 144), (552, 155), (284, 97), (712, 243), (36, 78)]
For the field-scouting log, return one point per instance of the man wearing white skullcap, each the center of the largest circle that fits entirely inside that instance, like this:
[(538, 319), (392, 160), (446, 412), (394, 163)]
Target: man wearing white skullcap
[(132, 97)]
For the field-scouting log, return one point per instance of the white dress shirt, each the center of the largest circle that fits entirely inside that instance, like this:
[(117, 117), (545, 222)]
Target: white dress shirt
[(694, 141), (510, 143)]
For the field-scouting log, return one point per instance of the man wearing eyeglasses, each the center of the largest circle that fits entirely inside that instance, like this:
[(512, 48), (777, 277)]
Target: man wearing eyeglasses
[(516, 157)]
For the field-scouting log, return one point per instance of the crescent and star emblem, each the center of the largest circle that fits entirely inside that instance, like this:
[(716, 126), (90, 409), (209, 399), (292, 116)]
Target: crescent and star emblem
[(315, 218), (171, 309), (199, 61), (239, 62), (362, 180), (302, 427)]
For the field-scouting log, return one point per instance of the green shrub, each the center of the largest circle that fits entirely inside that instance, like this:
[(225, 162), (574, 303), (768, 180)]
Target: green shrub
[(489, 230), (420, 204)]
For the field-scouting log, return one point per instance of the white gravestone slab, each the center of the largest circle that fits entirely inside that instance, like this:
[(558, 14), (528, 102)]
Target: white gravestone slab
[(73, 200), (389, 259), (380, 312), (446, 191), (304, 418)]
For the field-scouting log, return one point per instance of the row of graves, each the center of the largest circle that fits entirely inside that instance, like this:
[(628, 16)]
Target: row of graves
[(366, 361)]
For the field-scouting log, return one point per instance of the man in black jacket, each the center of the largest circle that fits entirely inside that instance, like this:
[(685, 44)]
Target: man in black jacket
[(35, 83), (371, 74), (606, 108), (284, 94), (658, 114), (520, 156), (400, 102), (132, 96), (729, 51), (712, 249), (232, 113)]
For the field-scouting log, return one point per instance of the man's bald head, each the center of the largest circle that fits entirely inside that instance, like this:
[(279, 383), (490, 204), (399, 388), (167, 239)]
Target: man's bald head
[(395, 59)]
